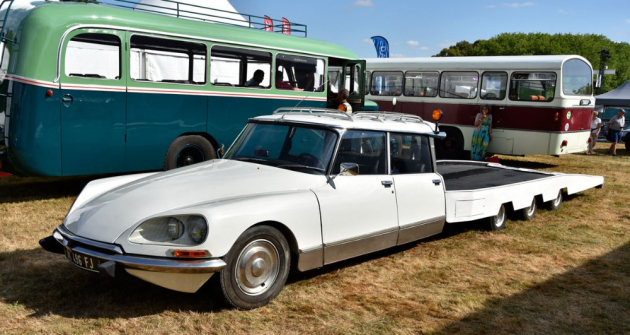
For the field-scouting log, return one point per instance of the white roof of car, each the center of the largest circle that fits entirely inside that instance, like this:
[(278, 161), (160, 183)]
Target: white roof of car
[(377, 121)]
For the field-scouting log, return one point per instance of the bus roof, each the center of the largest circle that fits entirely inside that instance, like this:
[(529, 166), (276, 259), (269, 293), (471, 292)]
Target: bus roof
[(62, 16), (552, 62)]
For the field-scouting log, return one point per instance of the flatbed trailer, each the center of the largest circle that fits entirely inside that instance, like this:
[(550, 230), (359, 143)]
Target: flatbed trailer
[(478, 190)]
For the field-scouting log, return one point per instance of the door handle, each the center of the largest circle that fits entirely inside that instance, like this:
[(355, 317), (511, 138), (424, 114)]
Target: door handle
[(387, 183), (437, 182), (67, 99)]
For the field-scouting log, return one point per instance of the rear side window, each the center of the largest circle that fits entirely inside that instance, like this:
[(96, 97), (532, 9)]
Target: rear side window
[(365, 148), (410, 153), (532, 86), (166, 60), (93, 56), (460, 85)]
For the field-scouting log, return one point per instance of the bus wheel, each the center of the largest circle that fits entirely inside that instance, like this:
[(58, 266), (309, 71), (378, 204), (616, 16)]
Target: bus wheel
[(452, 147), (187, 150), (497, 222)]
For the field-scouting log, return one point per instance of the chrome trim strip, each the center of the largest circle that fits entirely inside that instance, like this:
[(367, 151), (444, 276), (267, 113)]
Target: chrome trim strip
[(68, 235), (310, 259), (146, 263), (342, 250), (419, 230)]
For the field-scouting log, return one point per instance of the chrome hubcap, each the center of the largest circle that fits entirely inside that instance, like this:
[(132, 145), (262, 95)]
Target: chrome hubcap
[(257, 268), (499, 220), (532, 208)]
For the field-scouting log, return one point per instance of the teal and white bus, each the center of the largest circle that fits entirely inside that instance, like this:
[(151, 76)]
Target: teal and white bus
[(94, 88)]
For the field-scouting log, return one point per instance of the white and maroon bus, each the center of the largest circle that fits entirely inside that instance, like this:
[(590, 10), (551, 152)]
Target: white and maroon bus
[(540, 105)]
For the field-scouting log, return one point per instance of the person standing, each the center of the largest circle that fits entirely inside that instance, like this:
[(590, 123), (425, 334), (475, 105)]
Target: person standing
[(482, 135), (613, 131), (596, 126)]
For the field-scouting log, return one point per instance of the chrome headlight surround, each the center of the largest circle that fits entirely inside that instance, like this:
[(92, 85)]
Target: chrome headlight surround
[(186, 230)]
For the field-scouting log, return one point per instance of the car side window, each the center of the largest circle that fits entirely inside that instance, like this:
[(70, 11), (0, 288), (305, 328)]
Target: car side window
[(410, 153), (365, 148)]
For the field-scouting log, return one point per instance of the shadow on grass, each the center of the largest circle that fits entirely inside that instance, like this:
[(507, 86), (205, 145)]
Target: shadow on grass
[(591, 299), (21, 189), (48, 284)]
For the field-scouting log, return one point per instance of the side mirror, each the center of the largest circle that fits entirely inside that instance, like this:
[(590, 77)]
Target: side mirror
[(348, 169)]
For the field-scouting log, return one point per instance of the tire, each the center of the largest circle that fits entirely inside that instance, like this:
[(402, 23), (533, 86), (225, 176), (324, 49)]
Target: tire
[(529, 212), (497, 222), (257, 268), (188, 150), (451, 147), (554, 205)]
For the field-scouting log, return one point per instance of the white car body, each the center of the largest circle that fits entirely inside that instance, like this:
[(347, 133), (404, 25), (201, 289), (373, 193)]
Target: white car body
[(325, 217)]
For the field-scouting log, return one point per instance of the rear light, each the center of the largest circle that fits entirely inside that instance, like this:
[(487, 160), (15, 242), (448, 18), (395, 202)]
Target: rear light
[(557, 116), (191, 253), (49, 93), (564, 144)]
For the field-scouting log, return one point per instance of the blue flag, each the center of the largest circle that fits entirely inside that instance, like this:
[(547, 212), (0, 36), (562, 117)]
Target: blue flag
[(382, 46)]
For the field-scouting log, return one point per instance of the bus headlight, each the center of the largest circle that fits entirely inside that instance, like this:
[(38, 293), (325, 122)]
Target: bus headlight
[(171, 230)]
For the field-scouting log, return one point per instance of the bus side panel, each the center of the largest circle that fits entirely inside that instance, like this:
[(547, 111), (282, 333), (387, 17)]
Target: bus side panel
[(227, 116), (34, 131), (154, 121)]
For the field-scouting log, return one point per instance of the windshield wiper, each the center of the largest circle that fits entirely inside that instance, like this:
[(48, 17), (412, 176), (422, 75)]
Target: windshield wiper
[(252, 159), (298, 166)]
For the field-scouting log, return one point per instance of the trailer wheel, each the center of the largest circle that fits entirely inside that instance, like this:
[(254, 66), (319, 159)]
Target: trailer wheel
[(529, 212), (555, 204), (188, 150), (497, 222)]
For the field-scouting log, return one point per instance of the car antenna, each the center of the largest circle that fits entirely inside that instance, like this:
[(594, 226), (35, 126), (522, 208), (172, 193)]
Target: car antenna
[(310, 93)]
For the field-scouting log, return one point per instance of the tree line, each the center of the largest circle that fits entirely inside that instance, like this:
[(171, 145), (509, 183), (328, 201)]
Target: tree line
[(587, 46)]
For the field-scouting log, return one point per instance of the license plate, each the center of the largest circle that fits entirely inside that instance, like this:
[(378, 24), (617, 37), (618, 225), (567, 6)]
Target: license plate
[(83, 261)]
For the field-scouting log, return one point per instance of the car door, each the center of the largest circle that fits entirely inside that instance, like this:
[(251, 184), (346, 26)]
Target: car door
[(419, 190), (358, 211)]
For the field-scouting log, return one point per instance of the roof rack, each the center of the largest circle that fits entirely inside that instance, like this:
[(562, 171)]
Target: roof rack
[(211, 15), (328, 112), (389, 116)]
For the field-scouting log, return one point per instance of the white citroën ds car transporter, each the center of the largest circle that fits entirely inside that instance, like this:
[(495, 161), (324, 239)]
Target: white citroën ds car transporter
[(299, 187)]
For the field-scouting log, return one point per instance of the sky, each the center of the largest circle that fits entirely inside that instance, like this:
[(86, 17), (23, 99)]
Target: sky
[(418, 28)]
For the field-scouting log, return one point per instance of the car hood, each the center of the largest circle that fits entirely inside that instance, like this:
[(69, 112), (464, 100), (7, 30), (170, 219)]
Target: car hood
[(107, 215)]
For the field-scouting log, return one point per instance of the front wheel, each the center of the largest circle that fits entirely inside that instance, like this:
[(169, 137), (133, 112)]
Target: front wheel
[(497, 222), (257, 268)]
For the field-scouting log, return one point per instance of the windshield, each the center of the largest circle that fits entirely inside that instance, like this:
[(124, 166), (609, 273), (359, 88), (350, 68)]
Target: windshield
[(297, 148)]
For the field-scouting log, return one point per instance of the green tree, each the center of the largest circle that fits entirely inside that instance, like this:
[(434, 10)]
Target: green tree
[(586, 45)]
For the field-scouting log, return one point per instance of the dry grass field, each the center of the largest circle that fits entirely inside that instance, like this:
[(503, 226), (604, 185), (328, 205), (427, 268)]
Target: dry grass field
[(564, 272)]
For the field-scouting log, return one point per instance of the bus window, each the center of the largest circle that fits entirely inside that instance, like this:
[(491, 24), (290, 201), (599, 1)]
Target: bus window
[(576, 78), (299, 72), (533, 86), (102, 51), (367, 82), (387, 83), (421, 84), (235, 66), (462, 85), (493, 85), (167, 61)]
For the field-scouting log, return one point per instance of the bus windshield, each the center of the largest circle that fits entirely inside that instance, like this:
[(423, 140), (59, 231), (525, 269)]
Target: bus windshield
[(576, 78)]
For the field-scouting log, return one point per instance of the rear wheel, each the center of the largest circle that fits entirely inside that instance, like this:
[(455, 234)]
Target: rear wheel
[(188, 150), (555, 203), (528, 213), (257, 268), (497, 222), (451, 147)]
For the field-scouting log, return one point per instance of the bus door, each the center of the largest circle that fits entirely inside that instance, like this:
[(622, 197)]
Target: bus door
[(93, 102), (493, 92), (349, 74)]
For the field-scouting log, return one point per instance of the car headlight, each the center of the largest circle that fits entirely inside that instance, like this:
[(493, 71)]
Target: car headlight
[(171, 230)]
